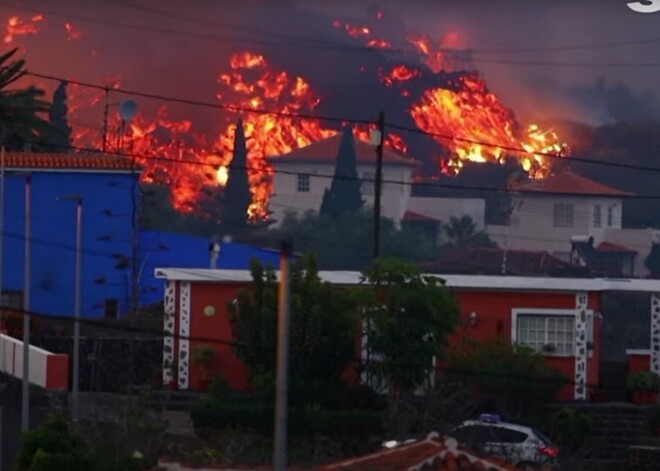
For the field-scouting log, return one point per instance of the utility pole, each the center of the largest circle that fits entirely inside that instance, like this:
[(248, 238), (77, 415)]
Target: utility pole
[(25, 403), (281, 400), (2, 233), (76, 309), (378, 138), (76, 325), (106, 111), (2, 249)]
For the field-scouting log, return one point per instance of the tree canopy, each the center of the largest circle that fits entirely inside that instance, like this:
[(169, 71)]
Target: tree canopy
[(344, 195), (237, 195), (346, 242), (408, 318), (323, 325), (23, 111), (61, 141)]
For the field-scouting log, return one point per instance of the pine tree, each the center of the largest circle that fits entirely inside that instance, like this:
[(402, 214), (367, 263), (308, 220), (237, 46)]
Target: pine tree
[(237, 195), (57, 116), (344, 194)]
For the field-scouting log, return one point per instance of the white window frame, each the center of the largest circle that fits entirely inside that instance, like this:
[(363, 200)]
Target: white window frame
[(557, 221), (303, 183), (610, 215), (515, 313), (598, 215)]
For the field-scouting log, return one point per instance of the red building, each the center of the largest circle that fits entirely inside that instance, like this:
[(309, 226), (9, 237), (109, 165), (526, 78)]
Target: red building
[(557, 316)]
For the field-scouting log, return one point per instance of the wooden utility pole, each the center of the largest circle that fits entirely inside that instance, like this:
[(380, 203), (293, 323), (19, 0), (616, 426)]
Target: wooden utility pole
[(282, 381), (378, 139)]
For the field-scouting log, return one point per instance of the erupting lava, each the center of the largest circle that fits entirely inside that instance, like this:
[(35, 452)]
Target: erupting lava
[(464, 119), (454, 107)]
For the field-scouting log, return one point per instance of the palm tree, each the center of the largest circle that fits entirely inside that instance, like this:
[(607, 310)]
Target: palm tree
[(23, 111)]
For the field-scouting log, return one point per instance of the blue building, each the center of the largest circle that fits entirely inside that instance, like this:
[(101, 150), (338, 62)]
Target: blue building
[(108, 187), (163, 249)]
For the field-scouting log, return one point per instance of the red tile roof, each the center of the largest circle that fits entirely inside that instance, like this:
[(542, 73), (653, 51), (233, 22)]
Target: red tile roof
[(412, 216), (489, 261), (59, 162), (326, 151), (613, 248), (434, 454), (567, 182)]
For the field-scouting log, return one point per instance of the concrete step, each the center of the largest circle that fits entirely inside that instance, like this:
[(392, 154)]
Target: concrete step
[(179, 424)]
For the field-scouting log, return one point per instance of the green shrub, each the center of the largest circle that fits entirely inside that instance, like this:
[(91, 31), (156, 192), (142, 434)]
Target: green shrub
[(54, 446), (644, 381), (571, 427), (217, 415)]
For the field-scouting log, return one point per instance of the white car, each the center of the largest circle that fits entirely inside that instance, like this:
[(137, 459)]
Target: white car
[(519, 445)]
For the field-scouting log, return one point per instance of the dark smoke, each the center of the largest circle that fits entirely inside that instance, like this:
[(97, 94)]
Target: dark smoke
[(617, 103)]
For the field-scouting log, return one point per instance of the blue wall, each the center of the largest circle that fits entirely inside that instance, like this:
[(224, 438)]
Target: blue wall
[(168, 250), (105, 238)]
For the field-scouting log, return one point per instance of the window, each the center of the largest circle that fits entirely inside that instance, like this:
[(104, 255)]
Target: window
[(563, 215), (597, 216), (111, 308), (12, 299), (553, 335), (368, 180), (610, 216), (303, 183)]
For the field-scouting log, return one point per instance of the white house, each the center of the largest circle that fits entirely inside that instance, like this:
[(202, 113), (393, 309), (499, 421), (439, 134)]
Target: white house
[(302, 176), (547, 214)]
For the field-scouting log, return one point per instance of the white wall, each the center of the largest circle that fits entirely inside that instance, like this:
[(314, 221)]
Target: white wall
[(286, 198), (11, 360), (532, 227), (443, 209)]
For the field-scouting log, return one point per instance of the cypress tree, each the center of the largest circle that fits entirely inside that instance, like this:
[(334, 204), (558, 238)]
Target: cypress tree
[(57, 117), (237, 195), (344, 194)]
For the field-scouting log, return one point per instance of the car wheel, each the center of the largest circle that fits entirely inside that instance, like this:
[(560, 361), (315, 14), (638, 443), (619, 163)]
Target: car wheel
[(528, 466)]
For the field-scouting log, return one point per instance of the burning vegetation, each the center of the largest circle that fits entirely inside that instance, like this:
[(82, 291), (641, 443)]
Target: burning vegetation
[(428, 84)]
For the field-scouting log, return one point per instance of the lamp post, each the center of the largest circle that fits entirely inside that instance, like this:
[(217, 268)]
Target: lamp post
[(25, 402), (76, 310)]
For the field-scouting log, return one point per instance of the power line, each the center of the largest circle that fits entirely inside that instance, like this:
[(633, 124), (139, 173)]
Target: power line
[(308, 43), (204, 104), (157, 333), (411, 183), (507, 147)]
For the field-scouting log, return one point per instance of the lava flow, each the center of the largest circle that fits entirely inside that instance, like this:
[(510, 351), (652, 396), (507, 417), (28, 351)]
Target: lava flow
[(427, 84)]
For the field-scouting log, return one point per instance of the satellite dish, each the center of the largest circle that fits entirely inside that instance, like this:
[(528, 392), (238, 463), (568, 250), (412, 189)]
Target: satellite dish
[(127, 109)]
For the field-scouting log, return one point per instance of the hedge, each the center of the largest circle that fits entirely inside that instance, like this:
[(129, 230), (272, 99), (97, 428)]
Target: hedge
[(259, 417)]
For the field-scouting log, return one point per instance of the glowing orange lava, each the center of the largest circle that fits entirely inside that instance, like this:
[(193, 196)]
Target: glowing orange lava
[(461, 120), (17, 27)]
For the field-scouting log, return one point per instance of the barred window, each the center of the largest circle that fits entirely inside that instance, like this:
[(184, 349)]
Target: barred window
[(563, 215), (303, 183), (553, 335), (12, 299)]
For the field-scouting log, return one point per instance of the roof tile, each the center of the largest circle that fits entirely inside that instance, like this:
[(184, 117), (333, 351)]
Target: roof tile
[(613, 248), (68, 161), (326, 151), (567, 182), (433, 454)]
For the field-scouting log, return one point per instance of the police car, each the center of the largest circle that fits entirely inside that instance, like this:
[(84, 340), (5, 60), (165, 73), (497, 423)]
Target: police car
[(519, 445)]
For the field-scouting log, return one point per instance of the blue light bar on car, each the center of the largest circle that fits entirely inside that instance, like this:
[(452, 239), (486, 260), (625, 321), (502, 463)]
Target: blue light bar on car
[(489, 418)]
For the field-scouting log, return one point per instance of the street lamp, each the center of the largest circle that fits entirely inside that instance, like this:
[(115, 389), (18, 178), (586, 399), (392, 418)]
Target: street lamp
[(76, 310)]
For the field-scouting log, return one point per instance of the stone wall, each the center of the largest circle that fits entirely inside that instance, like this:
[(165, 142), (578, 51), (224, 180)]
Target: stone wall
[(110, 364)]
